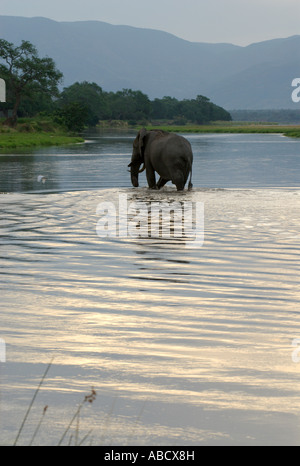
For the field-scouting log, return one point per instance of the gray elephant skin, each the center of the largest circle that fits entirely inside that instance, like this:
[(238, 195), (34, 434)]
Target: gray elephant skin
[(167, 154)]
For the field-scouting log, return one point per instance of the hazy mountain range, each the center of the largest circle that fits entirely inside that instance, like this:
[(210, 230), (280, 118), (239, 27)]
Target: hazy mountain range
[(159, 64)]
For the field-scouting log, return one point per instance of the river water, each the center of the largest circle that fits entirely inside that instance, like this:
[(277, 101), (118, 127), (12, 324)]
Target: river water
[(183, 345)]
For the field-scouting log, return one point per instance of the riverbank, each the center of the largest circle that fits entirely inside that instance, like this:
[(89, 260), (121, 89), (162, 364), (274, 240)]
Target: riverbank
[(238, 128), (31, 133), (34, 133)]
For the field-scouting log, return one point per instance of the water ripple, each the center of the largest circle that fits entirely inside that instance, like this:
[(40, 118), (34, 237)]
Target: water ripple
[(206, 329)]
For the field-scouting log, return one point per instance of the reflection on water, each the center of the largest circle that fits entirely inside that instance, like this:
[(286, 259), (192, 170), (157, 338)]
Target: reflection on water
[(183, 346)]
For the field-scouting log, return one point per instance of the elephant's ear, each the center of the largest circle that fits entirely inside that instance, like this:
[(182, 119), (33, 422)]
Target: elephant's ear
[(143, 134)]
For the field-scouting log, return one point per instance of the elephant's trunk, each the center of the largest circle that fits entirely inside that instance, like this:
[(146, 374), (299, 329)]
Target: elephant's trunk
[(134, 180), (134, 171)]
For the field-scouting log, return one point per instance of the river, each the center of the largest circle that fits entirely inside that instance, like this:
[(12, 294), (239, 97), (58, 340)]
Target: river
[(184, 344)]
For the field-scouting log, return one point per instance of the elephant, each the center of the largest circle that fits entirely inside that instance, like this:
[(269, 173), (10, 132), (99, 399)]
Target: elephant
[(168, 154)]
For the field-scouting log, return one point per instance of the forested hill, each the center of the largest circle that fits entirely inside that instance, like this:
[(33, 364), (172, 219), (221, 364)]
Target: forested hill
[(159, 64)]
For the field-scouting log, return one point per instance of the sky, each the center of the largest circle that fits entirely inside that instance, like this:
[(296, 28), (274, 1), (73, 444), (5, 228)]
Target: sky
[(239, 22)]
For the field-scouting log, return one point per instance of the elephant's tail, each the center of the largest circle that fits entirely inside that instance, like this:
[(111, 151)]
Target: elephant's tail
[(190, 185)]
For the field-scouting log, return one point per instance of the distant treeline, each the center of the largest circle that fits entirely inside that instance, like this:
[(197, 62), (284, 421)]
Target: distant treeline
[(84, 104)]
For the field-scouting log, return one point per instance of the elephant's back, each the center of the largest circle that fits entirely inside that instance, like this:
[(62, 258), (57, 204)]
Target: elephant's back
[(173, 141), (184, 147), (171, 152)]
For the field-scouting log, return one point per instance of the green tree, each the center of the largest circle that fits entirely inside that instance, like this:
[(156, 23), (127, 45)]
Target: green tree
[(199, 110), (73, 116), (170, 105), (89, 95), (35, 102), (129, 105), (26, 74)]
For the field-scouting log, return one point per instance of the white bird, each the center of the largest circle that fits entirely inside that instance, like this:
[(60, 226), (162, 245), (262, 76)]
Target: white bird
[(41, 179)]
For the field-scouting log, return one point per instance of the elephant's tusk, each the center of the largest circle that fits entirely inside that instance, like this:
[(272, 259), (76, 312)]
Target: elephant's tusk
[(143, 169)]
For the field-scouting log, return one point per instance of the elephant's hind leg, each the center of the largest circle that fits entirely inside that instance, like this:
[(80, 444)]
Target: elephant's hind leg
[(179, 181), (161, 182)]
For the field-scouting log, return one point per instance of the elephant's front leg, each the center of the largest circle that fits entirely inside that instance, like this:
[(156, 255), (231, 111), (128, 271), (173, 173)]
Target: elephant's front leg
[(150, 174)]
